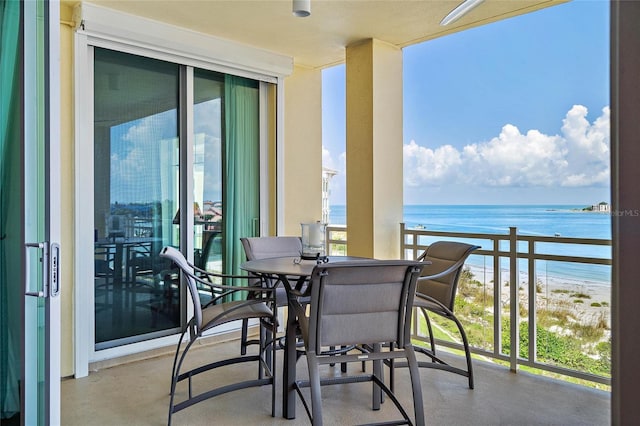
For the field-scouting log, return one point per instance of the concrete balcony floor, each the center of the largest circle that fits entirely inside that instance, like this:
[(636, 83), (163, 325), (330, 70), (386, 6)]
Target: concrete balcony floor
[(137, 393)]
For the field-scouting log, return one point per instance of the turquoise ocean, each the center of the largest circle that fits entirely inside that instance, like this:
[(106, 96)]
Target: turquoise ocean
[(536, 220)]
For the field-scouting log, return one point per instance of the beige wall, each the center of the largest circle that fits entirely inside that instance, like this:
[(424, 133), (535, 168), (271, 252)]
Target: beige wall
[(374, 149), (67, 179), (302, 150)]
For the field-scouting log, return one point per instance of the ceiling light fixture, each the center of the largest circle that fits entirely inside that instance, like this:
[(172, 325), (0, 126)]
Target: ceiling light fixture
[(457, 13), (301, 8)]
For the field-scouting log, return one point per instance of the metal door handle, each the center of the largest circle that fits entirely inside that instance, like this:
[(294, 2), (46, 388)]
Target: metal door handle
[(50, 263)]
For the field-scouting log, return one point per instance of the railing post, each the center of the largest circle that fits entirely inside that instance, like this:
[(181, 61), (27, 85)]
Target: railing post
[(533, 290), (514, 306), (402, 241), (497, 297)]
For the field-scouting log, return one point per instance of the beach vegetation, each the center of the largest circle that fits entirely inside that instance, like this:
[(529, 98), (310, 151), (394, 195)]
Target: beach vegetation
[(565, 351), (565, 336), (580, 295), (556, 316)]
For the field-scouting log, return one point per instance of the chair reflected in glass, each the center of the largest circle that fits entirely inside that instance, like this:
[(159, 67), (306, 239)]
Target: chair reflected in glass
[(118, 226), (363, 303), (104, 275), (151, 286), (232, 304)]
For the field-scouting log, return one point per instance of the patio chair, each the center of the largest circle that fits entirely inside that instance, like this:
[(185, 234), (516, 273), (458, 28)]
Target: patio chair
[(220, 310), (436, 293), (355, 302), (264, 248)]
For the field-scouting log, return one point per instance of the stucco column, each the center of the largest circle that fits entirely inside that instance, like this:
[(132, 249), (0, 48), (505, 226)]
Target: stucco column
[(302, 156), (374, 149)]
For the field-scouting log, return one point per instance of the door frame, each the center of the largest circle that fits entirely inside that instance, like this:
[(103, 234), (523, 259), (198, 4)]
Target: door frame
[(47, 144), (102, 27)]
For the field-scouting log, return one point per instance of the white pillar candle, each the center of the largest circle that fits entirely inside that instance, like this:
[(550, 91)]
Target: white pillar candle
[(315, 235)]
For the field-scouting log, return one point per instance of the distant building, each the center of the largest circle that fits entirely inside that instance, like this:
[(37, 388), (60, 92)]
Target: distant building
[(327, 174), (601, 207)]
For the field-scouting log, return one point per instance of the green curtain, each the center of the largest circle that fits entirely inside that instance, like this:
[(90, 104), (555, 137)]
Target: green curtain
[(9, 207), (241, 167)]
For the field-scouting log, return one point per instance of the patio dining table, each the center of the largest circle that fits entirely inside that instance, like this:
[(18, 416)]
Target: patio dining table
[(293, 273)]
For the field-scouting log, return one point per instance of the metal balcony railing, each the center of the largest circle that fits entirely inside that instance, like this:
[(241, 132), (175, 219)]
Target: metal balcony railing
[(560, 300)]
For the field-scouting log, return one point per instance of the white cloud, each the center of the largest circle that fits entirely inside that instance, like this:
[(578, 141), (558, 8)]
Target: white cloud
[(327, 160), (137, 161), (578, 157), (427, 165)]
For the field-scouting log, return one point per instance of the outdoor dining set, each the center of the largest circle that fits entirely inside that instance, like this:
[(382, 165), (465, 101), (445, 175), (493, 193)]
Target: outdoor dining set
[(340, 310)]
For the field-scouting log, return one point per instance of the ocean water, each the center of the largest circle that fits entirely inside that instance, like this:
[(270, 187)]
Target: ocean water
[(535, 220)]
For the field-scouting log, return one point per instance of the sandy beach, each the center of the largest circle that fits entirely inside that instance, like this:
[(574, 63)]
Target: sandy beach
[(588, 301)]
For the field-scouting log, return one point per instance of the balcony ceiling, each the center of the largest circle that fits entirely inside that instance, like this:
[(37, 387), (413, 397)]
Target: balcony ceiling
[(319, 40)]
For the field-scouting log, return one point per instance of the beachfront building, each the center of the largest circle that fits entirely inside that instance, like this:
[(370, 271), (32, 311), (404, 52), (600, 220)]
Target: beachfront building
[(101, 103), (327, 174), (601, 207)]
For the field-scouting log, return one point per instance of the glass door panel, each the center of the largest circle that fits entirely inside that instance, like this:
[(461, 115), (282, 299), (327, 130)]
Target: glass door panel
[(136, 197), (29, 215), (207, 169)]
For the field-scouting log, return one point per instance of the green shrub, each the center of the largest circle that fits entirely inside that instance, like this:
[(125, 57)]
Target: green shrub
[(580, 295)]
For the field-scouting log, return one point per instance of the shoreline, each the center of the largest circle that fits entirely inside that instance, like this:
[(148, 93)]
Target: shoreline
[(588, 301)]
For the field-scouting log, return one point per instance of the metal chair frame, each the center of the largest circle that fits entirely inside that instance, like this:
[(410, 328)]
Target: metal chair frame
[(393, 282), (427, 303), (220, 310)]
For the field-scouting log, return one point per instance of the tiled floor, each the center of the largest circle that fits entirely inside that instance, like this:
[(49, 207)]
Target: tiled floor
[(137, 394)]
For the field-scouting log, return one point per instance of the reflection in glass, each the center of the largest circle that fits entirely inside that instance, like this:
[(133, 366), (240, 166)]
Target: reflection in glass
[(207, 169), (136, 187)]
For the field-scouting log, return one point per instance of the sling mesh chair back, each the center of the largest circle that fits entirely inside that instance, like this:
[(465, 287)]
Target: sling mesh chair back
[(231, 304), (353, 303), (436, 293), (263, 248)]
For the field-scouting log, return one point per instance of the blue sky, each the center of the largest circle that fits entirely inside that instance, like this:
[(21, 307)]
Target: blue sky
[(515, 112)]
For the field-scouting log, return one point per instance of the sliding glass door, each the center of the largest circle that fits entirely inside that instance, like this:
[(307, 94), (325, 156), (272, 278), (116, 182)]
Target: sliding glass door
[(29, 214), (208, 88), (136, 197), (172, 143)]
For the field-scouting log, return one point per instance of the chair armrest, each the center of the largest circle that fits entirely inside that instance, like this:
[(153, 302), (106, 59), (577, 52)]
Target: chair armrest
[(434, 301), (446, 272)]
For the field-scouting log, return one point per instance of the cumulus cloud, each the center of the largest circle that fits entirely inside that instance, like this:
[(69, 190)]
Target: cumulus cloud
[(578, 157), (137, 162)]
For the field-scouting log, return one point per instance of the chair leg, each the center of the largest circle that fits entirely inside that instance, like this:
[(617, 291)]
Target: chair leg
[(465, 343), (431, 338), (377, 371), (274, 330), (268, 352), (243, 337), (416, 386), (343, 365), (175, 357), (467, 351), (176, 374), (314, 385)]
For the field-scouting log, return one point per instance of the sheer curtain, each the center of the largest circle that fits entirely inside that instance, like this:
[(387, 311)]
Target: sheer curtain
[(241, 168), (9, 208)]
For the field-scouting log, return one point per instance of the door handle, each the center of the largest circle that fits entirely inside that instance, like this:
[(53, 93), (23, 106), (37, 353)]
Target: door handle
[(27, 271), (50, 264), (54, 269)]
